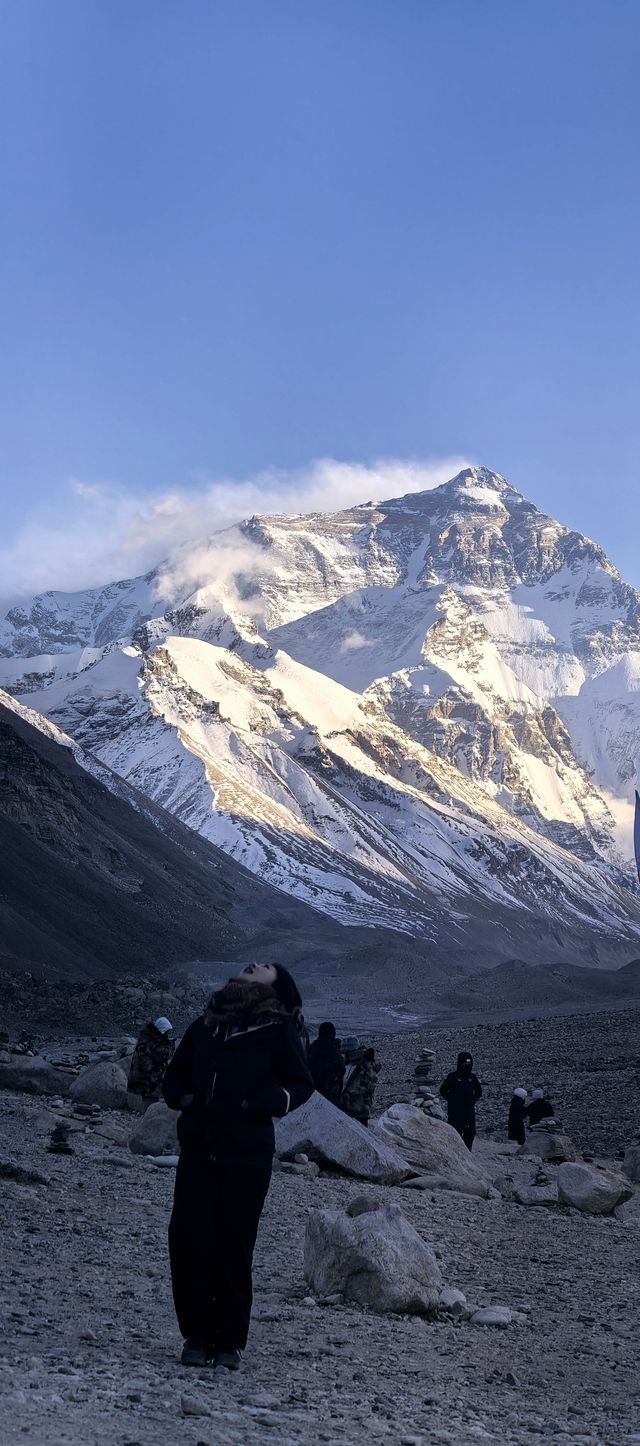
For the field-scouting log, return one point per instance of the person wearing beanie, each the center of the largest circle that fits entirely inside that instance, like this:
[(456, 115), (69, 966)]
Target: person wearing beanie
[(515, 1127), (539, 1108), (461, 1089), (154, 1048), (236, 1068), (327, 1063)]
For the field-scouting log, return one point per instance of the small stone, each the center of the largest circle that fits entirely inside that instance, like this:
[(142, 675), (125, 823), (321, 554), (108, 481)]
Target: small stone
[(492, 1315), (193, 1406), (511, 1380), (309, 1300), (453, 1301), (362, 1205)]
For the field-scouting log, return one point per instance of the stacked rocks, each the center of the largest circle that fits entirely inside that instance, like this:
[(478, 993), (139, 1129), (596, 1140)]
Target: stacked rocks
[(424, 1066), (425, 1095)]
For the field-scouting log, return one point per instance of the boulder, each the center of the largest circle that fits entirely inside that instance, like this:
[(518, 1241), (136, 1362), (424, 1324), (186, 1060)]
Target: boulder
[(631, 1163), (101, 1084), (535, 1194), (329, 1137), (155, 1132), (557, 1149), (430, 1146), (597, 1192), (374, 1258), (629, 1212), (32, 1073)]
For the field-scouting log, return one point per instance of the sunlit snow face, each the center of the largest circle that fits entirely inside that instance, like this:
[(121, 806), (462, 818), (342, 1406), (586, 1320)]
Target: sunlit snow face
[(258, 974)]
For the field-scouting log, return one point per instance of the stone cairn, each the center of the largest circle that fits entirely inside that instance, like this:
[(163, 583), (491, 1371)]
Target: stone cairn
[(425, 1095)]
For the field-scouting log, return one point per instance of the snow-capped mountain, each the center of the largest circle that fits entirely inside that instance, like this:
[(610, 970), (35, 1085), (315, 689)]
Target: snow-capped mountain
[(421, 713)]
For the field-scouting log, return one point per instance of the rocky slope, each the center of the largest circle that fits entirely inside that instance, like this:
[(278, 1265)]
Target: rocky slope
[(96, 880), (421, 714)]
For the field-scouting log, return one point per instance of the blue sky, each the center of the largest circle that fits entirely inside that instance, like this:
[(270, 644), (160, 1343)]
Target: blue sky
[(239, 237)]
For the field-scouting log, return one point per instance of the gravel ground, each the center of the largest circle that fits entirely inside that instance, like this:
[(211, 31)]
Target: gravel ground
[(589, 1063), (89, 1347)]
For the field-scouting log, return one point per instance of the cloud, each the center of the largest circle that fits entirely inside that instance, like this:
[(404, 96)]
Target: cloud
[(353, 641), (92, 533), (225, 563)]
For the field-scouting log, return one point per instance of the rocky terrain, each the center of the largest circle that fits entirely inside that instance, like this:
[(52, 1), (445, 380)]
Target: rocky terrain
[(89, 1348), (588, 1063)]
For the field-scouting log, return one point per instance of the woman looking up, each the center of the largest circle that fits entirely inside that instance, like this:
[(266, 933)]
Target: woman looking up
[(236, 1067)]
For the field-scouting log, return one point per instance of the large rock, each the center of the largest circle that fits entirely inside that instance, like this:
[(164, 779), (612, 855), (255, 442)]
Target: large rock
[(544, 1145), (597, 1192), (631, 1163), (330, 1137), (155, 1132), (629, 1211), (102, 1084), (32, 1073), (536, 1194), (374, 1258), (430, 1145)]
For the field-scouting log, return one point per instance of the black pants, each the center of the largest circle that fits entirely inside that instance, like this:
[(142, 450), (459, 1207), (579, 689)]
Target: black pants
[(467, 1131), (212, 1233)]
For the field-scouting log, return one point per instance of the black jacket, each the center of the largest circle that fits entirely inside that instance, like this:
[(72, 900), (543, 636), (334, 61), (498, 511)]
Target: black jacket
[(461, 1092), (326, 1062), (539, 1110), (230, 1084), (515, 1128)]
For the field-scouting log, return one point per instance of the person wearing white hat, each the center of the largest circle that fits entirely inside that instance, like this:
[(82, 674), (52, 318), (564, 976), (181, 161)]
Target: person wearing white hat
[(516, 1129), (540, 1108), (153, 1051)]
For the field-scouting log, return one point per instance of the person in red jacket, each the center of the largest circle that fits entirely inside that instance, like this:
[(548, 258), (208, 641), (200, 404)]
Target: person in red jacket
[(235, 1069)]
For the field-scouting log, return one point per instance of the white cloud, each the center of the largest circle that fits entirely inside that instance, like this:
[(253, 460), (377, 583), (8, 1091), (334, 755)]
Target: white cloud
[(353, 641), (90, 534)]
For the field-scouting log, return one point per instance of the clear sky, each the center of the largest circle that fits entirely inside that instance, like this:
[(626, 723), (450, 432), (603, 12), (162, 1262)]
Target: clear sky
[(246, 234)]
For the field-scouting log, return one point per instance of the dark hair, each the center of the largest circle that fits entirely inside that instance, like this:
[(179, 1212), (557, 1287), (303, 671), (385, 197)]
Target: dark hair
[(327, 1030), (369, 1054), (286, 989)]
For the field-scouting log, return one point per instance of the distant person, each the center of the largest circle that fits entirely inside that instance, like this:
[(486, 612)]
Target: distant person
[(517, 1110), (461, 1089), (540, 1108), (327, 1063), (237, 1067), (357, 1096), (154, 1048)]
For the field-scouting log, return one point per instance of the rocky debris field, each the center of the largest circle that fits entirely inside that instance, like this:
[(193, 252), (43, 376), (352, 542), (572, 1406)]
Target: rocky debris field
[(89, 1349), (588, 1063)]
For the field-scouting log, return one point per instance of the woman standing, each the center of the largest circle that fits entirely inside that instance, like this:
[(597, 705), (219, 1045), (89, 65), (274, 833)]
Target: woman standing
[(515, 1124), (235, 1068)]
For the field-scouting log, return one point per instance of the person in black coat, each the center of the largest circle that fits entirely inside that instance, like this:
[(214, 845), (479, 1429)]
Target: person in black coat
[(235, 1069), (539, 1108), (327, 1063), (461, 1089), (516, 1126)]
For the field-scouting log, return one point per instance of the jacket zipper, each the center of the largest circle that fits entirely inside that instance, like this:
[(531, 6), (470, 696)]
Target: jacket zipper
[(210, 1093)]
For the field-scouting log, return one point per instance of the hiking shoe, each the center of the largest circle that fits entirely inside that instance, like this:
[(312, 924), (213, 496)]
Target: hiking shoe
[(195, 1353), (231, 1359)]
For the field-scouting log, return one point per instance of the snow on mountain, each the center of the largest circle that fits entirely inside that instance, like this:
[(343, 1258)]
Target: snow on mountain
[(59, 622), (422, 713), (310, 786)]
